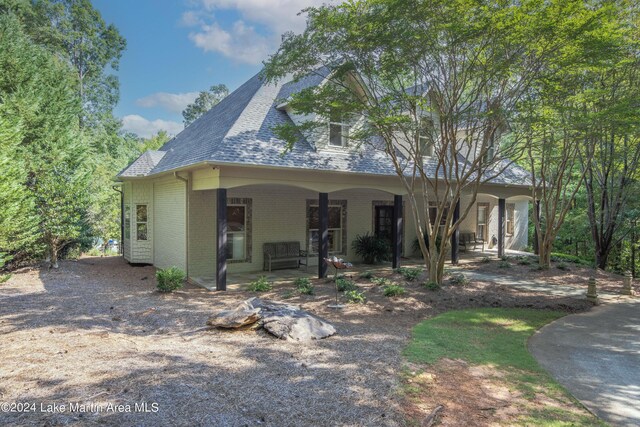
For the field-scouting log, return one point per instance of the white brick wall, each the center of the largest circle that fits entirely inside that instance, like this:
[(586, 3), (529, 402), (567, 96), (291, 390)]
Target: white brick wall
[(170, 223)]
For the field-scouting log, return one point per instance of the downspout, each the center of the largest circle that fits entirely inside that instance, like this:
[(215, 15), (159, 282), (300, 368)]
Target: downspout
[(121, 243), (186, 221)]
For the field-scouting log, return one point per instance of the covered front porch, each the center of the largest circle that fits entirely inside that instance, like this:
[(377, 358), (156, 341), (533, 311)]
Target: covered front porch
[(229, 228)]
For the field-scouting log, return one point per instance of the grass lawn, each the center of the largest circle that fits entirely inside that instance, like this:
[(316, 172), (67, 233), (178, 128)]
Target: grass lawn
[(496, 340)]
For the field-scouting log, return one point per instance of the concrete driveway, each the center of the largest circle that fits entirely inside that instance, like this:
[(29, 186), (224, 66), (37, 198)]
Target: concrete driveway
[(596, 356)]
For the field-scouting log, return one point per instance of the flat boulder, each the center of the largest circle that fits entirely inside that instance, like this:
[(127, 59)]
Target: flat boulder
[(285, 321), (243, 315)]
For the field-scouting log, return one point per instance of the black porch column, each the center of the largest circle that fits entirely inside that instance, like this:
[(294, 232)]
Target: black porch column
[(536, 213), (396, 231), (455, 237), (221, 237), (323, 243), (501, 216)]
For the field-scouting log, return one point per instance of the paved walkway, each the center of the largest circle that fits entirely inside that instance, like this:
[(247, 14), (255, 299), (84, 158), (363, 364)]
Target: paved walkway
[(596, 356)]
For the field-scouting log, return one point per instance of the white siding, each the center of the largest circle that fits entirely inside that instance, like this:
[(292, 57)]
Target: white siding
[(170, 224), (142, 250), (202, 233)]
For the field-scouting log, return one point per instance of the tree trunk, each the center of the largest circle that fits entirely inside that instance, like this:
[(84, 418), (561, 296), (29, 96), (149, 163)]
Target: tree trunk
[(53, 261)]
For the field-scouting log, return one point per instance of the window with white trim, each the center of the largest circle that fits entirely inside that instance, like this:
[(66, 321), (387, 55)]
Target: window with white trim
[(511, 218), (338, 130), (424, 137), (336, 228), (142, 222), (236, 232), (127, 222)]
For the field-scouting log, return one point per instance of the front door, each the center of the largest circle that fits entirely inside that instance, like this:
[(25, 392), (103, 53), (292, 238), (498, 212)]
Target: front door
[(384, 222)]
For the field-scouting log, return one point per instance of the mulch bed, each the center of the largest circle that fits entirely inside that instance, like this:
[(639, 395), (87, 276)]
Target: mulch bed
[(96, 331)]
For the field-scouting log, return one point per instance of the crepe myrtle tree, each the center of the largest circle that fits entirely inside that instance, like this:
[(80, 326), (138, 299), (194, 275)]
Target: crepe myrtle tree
[(430, 83)]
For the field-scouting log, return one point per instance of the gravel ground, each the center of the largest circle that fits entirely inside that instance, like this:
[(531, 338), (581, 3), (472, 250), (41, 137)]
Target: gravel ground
[(96, 332)]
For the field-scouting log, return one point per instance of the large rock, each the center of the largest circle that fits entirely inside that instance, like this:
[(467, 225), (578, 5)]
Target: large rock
[(243, 315), (289, 322), (285, 321)]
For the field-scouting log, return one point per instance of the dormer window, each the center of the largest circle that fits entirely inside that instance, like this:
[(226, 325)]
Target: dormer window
[(424, 137), (338, 130)]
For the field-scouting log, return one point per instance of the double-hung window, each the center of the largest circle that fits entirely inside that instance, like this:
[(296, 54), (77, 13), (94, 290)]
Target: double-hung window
[(511, 218), (142, 222), (127, 222), (236, 232), (338, 130), (336, 229)]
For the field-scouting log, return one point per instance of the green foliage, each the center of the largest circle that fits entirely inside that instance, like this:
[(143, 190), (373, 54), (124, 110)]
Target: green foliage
[(170, 279), (432, 286), (525, 261), (485, 260), (408, 273), (366, 275), (304, 286), (458, 280), (504, 264), (558, 257), (5, 277), (563, 266), (204, 102), (261, 284), (343, 285), (371, 248), (355, 297), (381, 281), (393, 290)]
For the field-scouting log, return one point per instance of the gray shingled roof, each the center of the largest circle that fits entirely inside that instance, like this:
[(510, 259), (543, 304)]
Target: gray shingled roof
[(143, 165), (239, 130)]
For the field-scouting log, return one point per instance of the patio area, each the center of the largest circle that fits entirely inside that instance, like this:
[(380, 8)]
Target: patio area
[(240, 281)]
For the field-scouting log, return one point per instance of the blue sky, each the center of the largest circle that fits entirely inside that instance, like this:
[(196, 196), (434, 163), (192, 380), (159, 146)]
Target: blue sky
[(177, 48)]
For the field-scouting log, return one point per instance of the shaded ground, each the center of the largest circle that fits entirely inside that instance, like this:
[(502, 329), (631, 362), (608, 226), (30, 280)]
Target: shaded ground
[(97, 332), (596, 355)]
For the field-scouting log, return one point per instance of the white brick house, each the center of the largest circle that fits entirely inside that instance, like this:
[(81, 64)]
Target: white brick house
[(211, 197)]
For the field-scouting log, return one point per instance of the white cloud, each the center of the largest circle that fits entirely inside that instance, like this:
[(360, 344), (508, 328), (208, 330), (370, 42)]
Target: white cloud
[(146, 128), (173, 102), (241, 41)]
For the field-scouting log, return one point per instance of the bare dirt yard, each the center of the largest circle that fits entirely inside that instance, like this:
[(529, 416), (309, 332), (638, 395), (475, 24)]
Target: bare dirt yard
[(97, 332)]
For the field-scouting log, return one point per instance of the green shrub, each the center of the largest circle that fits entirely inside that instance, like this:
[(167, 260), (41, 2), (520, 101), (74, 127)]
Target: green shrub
[(4, 258), (366, 275), (355, 297), (260, 285), (504, 258), (504, 264), (458, 280), (485, 260), (170, 279), (563, 266), (558, 257), (302, 281), (344, 285), (371, 248), (393, 291), (539, 268), (432, 286), (525, 261), (381, 281), (304, 286), (409, 274)]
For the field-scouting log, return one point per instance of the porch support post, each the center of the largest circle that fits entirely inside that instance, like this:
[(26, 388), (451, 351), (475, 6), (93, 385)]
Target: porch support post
[(396, 231), (501, 216), (536, 213), (221, 237), (455, 237), (323, 244)]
